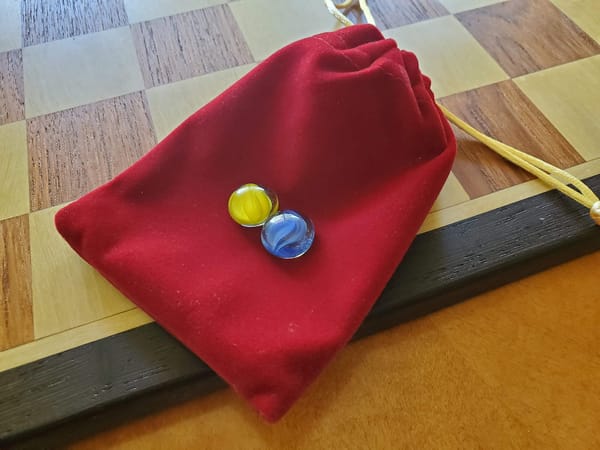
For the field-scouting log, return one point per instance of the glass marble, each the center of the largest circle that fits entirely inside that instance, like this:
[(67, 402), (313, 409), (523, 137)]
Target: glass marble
[(287, 234), (251, 205)]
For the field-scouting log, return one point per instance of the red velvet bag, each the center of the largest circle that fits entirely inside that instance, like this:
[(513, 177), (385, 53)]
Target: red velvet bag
[(344, 128)]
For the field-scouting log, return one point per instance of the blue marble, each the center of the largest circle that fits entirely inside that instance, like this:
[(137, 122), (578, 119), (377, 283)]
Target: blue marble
[(287, 234)]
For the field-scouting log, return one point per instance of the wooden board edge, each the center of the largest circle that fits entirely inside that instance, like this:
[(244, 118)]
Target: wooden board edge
[(136, 372)]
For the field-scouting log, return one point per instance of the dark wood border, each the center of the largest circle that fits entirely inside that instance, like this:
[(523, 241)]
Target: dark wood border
[(61, 398)]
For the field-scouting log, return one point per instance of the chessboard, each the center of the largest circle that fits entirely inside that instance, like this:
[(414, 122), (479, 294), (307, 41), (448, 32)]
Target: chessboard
[(89, 86)]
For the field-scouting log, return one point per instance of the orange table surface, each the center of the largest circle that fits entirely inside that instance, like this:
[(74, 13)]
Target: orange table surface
[(517, 367)]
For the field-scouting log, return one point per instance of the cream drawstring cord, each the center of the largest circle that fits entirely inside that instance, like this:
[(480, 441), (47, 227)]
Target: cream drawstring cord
[(551, 175)]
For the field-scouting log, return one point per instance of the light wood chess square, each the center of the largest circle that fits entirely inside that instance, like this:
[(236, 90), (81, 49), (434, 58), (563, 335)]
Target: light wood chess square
[(449, 55), (14, 175), (584, 13), (67, 292), (502, 111), (10, 25), (569, 96), (85, 69), (143, 10), (455, 6), (269, 25), (49, 20), (171, 104)]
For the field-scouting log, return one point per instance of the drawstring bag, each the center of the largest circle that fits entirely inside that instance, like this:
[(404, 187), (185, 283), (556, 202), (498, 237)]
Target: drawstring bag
[(343, 128), (261, 231)]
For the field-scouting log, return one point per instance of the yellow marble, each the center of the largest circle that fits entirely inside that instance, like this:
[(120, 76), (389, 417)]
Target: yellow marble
[(251, 205)]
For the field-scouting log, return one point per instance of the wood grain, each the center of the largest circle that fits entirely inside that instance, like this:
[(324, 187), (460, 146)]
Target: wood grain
[(60, 342), (48, 20), (499, 199), (392, 13), (269, 25), (143, 10), (437, 42), (190, 44), (14, 175), (16, 316), (170, 104), (12, 96), (67, 292), (521, 41), (455, 6), (516, 368), (70, 154), (451, 194), (10, 25), (569, 96), (53, 344), (584, 13), (502, 111), (78, 71), (441, 268)]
